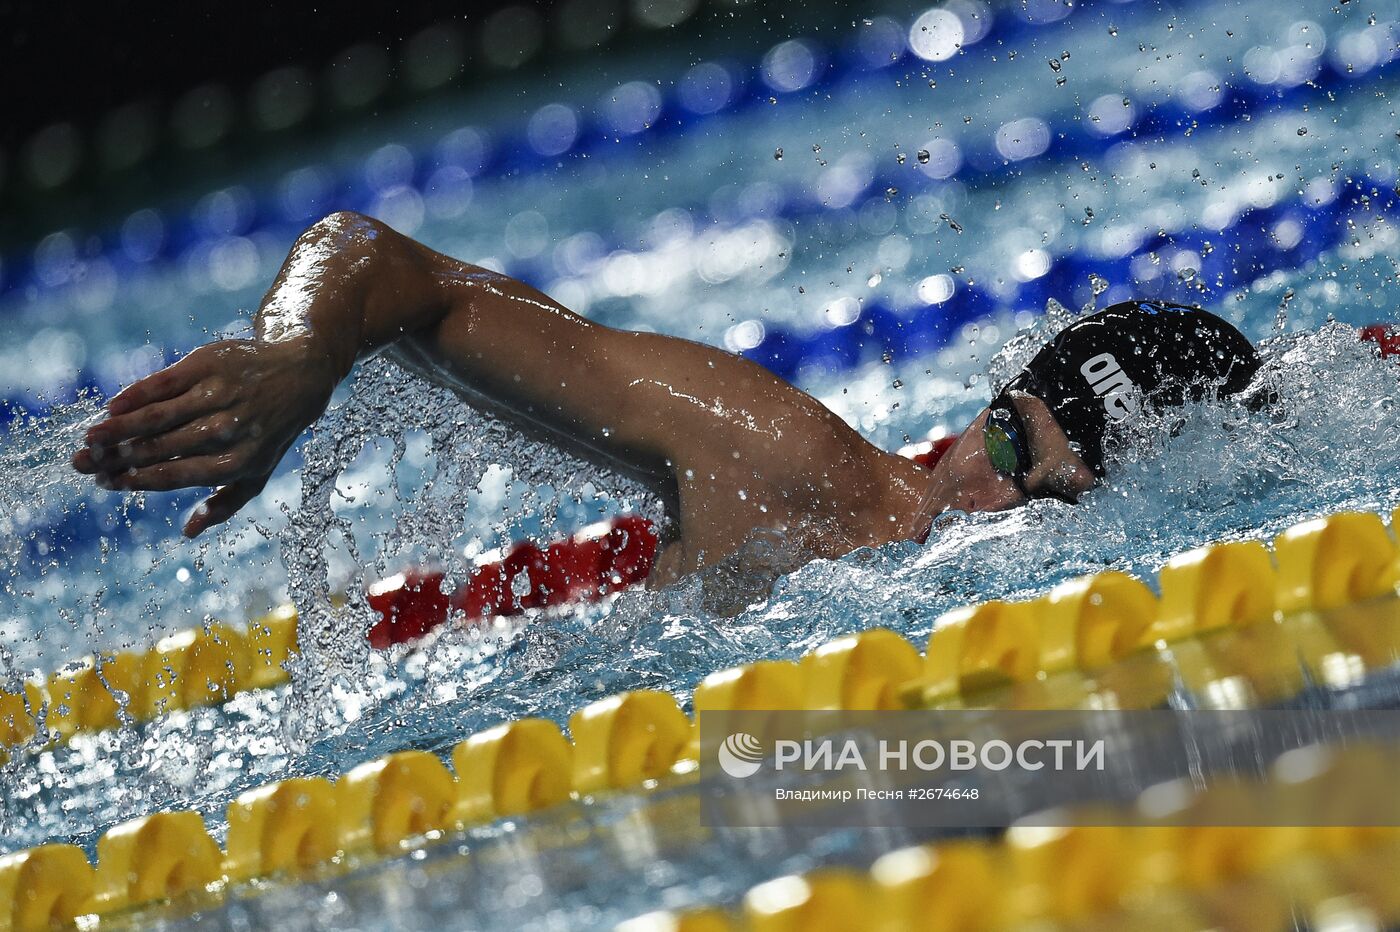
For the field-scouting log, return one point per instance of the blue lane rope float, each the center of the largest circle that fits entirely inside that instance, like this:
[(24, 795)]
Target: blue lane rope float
[(1228, 258), (513, 155), (1238, 255)]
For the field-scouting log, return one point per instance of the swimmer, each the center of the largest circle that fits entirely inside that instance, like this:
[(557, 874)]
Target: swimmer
[(732, 447)]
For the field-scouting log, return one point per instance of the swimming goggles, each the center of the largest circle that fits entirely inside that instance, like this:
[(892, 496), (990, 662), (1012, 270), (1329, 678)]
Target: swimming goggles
[(1008, 449), (1004, 436)]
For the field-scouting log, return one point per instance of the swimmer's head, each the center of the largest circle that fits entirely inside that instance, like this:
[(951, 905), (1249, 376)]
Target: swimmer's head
[(1043, 433), (1107, 366)]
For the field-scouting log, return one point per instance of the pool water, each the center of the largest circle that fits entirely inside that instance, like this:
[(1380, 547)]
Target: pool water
[(969, 182)]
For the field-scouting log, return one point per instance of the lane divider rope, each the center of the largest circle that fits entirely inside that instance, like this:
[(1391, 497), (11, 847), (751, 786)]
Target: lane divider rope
[(210, 665), (842, 68), (1331, 581), (1075, 138), (1142, 873)]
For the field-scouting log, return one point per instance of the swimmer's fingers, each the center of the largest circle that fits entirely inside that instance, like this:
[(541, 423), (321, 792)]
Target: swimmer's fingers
[(171, 382), (205, 381), (210, 434), (214, 469), (83, 462), (223, 504), (145, 421)]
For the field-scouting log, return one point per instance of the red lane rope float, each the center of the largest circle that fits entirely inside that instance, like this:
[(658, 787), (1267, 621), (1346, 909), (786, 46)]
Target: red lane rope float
[(597, 561), (928, 453), (601, 559), (1386, 336)]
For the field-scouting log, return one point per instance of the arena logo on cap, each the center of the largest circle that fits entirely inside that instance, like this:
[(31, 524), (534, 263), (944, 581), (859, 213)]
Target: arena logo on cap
[(1112, 385)]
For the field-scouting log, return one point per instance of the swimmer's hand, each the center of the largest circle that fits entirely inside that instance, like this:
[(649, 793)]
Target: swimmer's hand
[(222, 416)]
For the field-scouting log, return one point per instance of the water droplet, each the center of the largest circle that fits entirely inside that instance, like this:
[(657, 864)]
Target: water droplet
[(1187, 274), (1281, 318), (957, 227), (1302, 131), (923, 155), (1112, 30), (890, 193), (778, 154), (874, 280), (1055, 65), (816, 147), (899, 157), (1098, 283)]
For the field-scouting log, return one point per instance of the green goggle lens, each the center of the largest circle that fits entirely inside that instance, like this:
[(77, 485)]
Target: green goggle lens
[(1001, 450)]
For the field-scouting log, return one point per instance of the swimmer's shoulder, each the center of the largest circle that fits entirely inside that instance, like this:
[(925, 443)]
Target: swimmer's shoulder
[(872, 497), (909, 498)]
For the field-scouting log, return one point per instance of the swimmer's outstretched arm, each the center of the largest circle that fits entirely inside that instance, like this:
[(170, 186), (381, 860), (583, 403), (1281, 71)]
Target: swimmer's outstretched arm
[(743, 448)]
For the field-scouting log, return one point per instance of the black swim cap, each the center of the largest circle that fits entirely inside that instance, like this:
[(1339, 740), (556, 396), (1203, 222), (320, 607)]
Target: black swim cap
[(1103, 367)]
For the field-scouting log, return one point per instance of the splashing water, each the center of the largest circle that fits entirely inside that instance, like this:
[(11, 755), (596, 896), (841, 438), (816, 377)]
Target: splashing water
[(61, 540), (1017, 351), (435, 509), (433, 492)]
